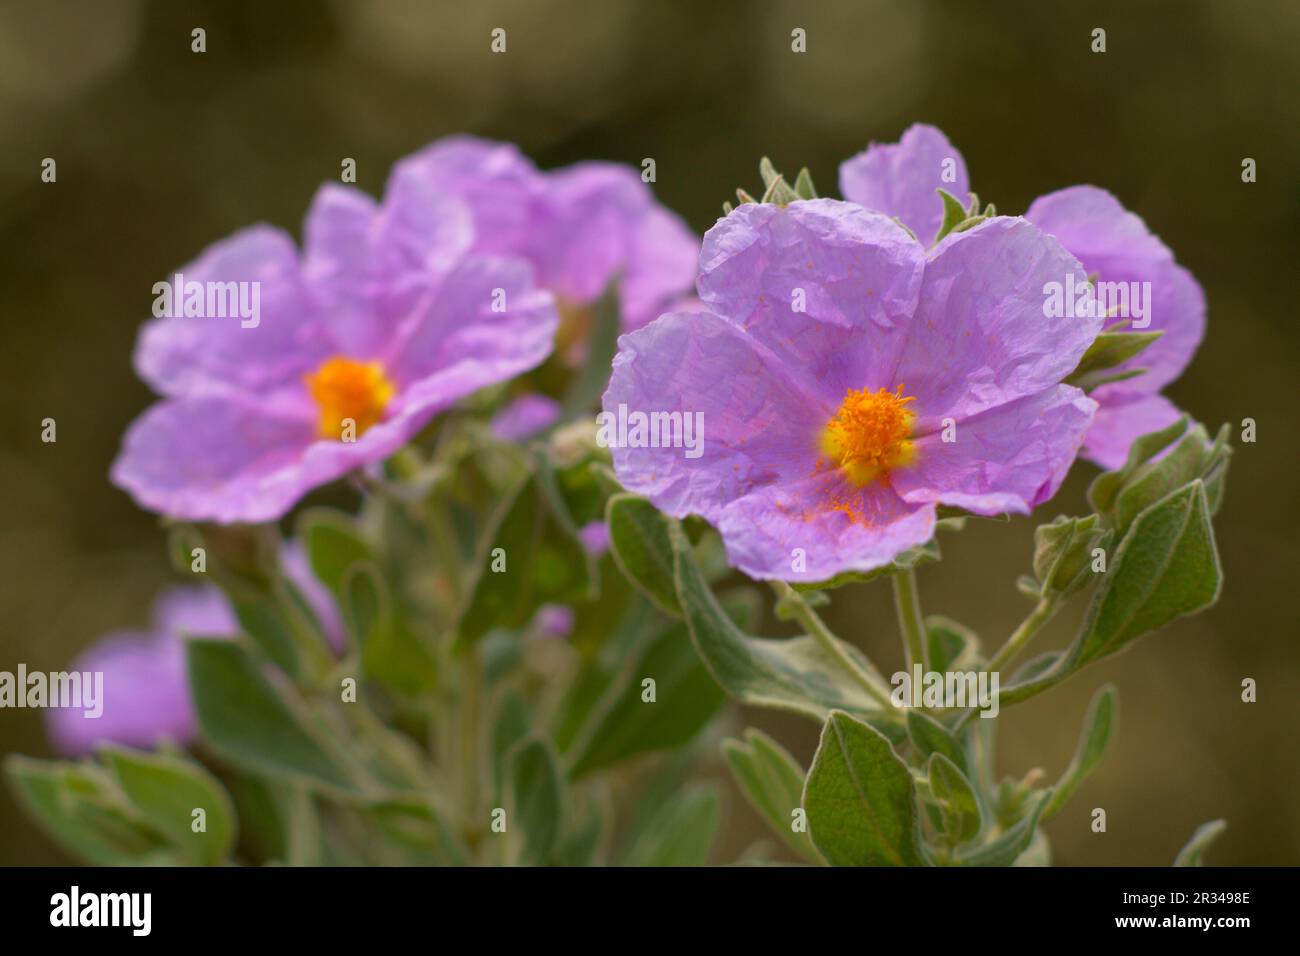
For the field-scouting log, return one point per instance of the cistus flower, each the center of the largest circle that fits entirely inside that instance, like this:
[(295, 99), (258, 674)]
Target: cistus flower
[(580, 226), (900, 179), (850, 382), (146, 689), (388, 318), (525, 417)]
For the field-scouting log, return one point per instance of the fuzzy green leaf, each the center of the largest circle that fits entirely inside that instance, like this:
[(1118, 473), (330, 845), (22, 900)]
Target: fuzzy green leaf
[(860, 798)]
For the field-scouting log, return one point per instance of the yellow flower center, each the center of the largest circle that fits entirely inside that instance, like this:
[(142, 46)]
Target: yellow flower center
[(870, 434), (348, 393)]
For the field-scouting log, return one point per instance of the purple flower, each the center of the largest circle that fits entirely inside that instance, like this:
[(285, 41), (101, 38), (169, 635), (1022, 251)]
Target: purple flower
[(528, 415), (146, 689), (579, 226), (387, 319), (595, 537), (900, 179), (553, 621), (146, 692), (849, 381)]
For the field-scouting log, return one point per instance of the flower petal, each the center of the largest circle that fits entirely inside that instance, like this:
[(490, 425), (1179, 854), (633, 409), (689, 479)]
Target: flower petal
[(1010, 458), (981, 337), (486, 312), (1118, 424), (176, 355), (826, 286), (900, 179), (1117, 245), (758, 426), (495, 180), (781, 528), (367, 265)]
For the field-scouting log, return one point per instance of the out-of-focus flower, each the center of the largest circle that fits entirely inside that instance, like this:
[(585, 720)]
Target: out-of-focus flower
[(146, 689), (389, 317), (848, 382), (900, 179), (526, 416), (580, 226)]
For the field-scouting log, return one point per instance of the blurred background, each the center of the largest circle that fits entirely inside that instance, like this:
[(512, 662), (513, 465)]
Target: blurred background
[(161, 151)]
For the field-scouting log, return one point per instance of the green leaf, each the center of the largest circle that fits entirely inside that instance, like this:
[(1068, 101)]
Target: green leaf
[(793, 674), (1108, 350), (772, 782), (860, 798), (75, 809), (166, 791), (1063, 554), (780, 193), (1106, 486), (535, 799), (803, 185), (957, 801), (543, 561), (252, 724), (265, 621), (953, 646), (623, 724), (391, 654), (639, 540), (1193, 854), (953, 214), (414, 825), (1167, 566), (1187, 461), (1006, 848), (681, 832), (1098, 727), (333, 544), (593, 376), (931, 737)]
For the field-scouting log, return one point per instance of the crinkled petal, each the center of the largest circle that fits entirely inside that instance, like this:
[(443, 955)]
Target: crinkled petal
[(487, 311), (368, 265), (1117, 245), (499, 184), (827, 286), (759, 427), (179, 355), (1118, 424), (818, 527), (980, 337), (1008, 459), (223, 458), (900, 179)]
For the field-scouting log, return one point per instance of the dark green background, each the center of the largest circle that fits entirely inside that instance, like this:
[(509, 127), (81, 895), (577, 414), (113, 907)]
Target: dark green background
[(161, 151)]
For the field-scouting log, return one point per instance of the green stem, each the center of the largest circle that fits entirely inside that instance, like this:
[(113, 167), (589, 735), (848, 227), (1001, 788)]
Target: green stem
[(907, 600), (1020, 638), (468, 734), (870, 680)]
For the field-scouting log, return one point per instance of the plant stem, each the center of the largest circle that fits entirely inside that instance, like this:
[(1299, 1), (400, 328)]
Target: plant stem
[(870, 680), (907, 601), (468, 730), (1040, 615)]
